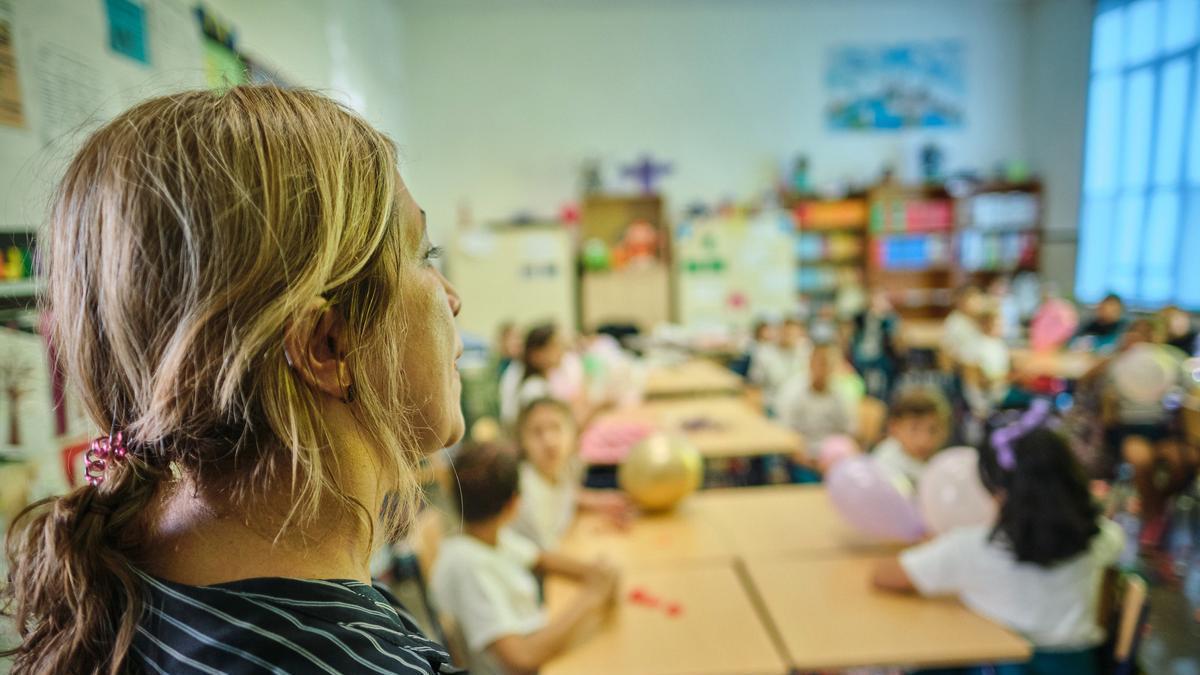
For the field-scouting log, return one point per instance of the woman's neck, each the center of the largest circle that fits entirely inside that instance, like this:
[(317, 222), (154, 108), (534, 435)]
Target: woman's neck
[(193, 541), (198, 535)]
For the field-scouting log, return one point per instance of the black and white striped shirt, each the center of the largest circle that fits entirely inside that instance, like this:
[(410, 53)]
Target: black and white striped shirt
[(276, 625)]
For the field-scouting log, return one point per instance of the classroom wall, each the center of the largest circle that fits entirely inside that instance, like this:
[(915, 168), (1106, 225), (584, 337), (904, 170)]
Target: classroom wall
[(506, 99), (348, 48), (1056, 110)]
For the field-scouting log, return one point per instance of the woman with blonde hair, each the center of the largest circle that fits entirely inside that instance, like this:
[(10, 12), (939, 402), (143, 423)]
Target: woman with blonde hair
[(241, 290)]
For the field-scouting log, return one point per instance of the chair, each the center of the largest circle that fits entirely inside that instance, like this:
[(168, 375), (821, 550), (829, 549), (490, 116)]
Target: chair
[(1125, 609)]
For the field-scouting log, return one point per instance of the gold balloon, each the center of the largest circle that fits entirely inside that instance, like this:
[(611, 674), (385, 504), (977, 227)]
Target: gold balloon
[(660, 471)]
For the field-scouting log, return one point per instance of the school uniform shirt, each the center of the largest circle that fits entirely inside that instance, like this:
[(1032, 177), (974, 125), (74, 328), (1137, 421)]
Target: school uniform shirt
[(278, 625), (989, 354), (490, 591), (546, 508), (815, 415), (1053, 607), (958, 331), (901, 468), (518, 391), (772, 366)]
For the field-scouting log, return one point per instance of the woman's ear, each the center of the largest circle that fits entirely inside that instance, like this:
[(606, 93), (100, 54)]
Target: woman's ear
[(315, 346)]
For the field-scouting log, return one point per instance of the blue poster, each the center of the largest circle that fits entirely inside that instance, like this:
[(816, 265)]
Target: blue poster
[(127, 29), (913, 85)]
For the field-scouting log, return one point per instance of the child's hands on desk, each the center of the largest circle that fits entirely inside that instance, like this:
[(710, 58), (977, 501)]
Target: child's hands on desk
[(600, 583), (615, 506)]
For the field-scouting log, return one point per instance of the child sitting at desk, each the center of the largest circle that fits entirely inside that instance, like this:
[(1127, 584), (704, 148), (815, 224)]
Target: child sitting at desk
[(1103, 333), (1138, 431), (484, 577), (814, 410), (551, 476), (771, 368), (918, 421), (1038, 569)]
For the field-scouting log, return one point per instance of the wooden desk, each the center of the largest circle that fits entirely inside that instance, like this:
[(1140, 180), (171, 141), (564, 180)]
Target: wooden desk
[(674, 538), (1062, 364), (782, 519), (1190, 416), (830, 618), (717, 631), (737, 430), (921, 334), (698, 377)]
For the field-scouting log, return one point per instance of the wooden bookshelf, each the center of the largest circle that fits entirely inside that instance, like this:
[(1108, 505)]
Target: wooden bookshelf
[(910, 248), (831, 243), (637, 292), (999, 231)]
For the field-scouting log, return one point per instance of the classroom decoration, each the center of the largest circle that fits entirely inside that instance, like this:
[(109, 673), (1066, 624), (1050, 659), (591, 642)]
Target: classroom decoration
[(866, 499), (661, 471), (11, 106), (646, 172), (1053, 325), (834, 449), (1146, 373), (919, 84), (609, 442), (590, 179), (951, 493), (731, 269)]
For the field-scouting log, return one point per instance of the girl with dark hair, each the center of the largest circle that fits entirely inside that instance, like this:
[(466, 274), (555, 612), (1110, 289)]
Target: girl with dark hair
[(529, 379), (1038, 569)]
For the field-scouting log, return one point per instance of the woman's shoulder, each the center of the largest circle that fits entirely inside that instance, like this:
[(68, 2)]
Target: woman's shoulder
[(281, 625)]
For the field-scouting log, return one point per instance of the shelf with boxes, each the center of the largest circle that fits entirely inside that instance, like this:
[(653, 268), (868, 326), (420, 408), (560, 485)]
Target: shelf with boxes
[(830, 243), (910, 247), (999, 230)]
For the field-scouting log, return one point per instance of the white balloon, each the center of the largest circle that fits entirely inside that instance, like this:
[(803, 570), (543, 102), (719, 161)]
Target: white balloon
[(951, 494)]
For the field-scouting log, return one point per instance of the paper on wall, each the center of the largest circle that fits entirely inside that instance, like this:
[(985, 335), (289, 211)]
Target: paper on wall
[(11, 110)]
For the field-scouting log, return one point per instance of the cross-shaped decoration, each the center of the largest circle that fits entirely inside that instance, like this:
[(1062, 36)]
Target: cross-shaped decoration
[(646, 172)]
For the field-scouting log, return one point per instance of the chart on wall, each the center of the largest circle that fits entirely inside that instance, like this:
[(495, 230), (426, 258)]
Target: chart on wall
[(896, 86)]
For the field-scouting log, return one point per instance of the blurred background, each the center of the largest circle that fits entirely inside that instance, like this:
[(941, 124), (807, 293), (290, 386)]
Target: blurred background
[(682, 182)]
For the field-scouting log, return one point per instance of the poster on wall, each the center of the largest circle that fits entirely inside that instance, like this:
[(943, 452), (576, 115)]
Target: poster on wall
[(127, 30), (900, 86), (10, 89)]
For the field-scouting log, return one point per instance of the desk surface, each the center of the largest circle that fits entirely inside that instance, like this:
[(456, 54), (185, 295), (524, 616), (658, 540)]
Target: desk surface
[(1063, 364), (719, 427), (679, 536), (830, 618), (698, 377), (717, 630), (781, 519)]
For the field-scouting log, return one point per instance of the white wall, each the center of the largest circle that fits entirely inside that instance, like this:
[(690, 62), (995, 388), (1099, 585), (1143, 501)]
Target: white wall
[(348, 48), (506, 99), (1056, 110)]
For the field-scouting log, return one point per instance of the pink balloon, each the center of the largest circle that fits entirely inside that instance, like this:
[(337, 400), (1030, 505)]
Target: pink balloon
[(865, 498), (834, 449), (951, 494), (1053, 325)]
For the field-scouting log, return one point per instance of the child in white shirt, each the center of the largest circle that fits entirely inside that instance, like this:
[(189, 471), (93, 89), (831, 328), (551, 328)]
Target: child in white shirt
[(529, 379), (550, 475), (918, 421), (771, 367), (484, 577), (813, 409), (986, 366), (1038, 568)]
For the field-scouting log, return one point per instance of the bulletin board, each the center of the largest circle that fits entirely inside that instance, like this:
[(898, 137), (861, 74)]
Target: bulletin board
[(66, 67), (733, 269), (524, 274)]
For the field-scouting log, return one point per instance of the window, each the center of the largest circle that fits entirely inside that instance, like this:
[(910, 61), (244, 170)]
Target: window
[(1139, 225)]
